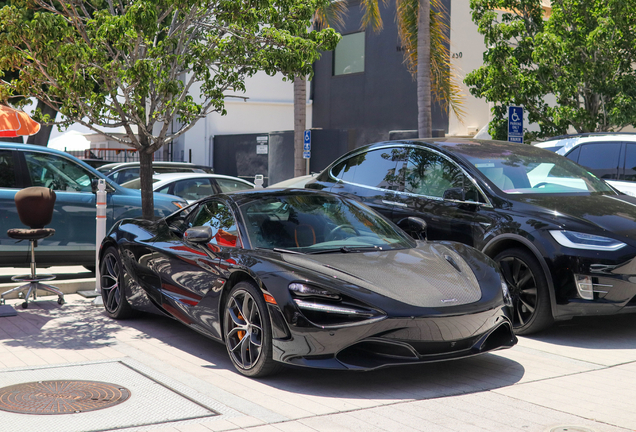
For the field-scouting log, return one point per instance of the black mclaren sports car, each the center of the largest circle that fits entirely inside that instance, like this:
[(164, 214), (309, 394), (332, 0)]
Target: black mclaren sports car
[(307, 278)]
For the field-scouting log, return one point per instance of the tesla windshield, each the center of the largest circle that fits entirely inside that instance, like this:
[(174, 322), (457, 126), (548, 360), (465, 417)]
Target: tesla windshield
[(531, 171), (318, 223)]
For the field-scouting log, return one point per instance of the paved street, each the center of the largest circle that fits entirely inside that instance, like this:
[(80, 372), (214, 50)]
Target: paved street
[(578, 376)]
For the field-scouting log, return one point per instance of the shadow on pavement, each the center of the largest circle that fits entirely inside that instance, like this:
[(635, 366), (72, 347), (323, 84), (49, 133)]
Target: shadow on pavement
[(475, 374), (593, 332)]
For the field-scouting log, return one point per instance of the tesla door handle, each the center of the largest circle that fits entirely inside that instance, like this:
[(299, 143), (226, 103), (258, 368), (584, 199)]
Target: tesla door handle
[(394, 203)]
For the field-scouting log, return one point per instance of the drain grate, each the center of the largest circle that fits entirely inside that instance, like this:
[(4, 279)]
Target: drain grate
[(61, 397)]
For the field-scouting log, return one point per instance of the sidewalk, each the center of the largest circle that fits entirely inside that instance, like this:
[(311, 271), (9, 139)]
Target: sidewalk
[(68, 279), (579, 376)]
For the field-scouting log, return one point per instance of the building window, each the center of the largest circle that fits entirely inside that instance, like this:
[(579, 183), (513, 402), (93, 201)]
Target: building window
[(348, 57)]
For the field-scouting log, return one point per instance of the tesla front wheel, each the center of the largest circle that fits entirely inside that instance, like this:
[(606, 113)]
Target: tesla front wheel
[(248, 333), (529, 291), (112, 286)]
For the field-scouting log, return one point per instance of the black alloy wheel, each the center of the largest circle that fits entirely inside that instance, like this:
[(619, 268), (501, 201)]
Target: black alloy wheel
[(248, 333), (529, 291), (112, 286)]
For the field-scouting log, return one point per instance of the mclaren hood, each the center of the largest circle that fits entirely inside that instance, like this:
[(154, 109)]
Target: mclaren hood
[(431, 275)]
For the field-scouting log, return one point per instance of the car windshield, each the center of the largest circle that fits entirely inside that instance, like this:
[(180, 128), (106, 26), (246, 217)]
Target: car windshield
[(317, 223), (525, 169)]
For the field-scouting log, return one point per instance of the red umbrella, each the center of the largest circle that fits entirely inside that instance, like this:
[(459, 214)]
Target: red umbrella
[(15, 123)]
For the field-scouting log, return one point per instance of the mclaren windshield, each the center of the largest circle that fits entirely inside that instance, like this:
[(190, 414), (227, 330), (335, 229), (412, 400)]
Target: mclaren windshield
[(309, 223)]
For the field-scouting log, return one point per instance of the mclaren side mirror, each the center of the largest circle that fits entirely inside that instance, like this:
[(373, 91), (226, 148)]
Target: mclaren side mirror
[(414, 226), (199, 234)]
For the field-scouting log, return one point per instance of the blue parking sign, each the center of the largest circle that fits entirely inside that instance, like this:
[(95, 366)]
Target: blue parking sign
[(515, 124), (307, 141)]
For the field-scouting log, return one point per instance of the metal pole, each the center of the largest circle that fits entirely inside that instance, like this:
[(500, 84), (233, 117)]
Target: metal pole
[(100, 228)]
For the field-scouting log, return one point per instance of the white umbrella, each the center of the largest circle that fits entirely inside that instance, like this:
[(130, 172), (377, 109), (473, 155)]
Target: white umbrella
[(70, 141)]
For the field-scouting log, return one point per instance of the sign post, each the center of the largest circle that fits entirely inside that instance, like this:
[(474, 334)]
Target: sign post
[(307, 149), (515, 124)]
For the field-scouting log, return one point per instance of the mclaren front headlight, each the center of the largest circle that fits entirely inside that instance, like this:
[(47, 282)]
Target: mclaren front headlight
[(325, 308)]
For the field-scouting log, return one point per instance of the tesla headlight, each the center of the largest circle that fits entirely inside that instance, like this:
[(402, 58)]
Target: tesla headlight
[(577, 240)]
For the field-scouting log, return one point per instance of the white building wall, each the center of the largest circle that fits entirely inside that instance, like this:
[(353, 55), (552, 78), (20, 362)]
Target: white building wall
[(467, 48), (269, 107)]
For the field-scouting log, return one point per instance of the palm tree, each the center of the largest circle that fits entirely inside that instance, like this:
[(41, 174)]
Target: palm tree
[(424, 32), (425, 55)]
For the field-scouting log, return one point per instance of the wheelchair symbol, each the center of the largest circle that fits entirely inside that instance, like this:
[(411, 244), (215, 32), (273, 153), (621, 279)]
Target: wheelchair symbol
[(515, 117)]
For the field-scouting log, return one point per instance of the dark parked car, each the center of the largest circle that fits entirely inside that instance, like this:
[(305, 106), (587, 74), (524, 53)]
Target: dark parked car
[(309, 279), (565, 240), (123, 172), (72, 180)]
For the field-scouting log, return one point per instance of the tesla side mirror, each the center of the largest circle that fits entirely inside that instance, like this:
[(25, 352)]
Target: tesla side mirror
[(200, 234), (454, 194), (414, 226)]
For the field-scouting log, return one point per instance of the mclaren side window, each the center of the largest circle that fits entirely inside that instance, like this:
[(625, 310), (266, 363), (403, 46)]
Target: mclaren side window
[(220, 219), (375, 168)]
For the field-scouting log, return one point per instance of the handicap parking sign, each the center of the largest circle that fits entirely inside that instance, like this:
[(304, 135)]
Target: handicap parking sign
[(515, 124), (307, 141)]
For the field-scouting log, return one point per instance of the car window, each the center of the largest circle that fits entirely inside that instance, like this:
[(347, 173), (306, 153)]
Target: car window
[(229, 185), (318, 223), (376, 168), (192, 189), (220, 219), (57, 173), (630, 163), (430, 174), (7, 169), (574, 154), (125, 175), (164, 189), (601, 159)]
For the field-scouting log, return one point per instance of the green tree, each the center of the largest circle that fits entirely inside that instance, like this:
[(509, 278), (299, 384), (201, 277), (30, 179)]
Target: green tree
[(580, 56), (44, 114), (145, 65)]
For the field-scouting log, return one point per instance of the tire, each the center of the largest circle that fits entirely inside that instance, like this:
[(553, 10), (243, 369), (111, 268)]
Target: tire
[(112, 285), (248, 332), (528, 286)]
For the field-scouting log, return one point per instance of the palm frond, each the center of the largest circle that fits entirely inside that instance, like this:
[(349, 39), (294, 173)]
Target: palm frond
[(332, 15), (371, 14), (445, 82)]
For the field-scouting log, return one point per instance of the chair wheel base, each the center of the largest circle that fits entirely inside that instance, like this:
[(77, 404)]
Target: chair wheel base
[(60, 301), (25, 305)]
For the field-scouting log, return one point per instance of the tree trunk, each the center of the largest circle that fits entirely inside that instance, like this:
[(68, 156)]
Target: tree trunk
[(424, 123), (300, 116), (42, 137), (145, 177)]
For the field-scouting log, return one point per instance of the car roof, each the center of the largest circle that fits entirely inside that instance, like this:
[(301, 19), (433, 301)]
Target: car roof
[(565, 143), (460, 147), (165, 178), (246, 196), (118, 165)]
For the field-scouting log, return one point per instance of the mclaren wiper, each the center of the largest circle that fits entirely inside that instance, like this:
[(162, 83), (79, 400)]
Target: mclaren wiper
[(279, 250), (347, 249)]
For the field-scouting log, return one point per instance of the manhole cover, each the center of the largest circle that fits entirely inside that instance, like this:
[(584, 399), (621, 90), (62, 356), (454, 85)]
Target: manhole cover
[(60, 397)]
